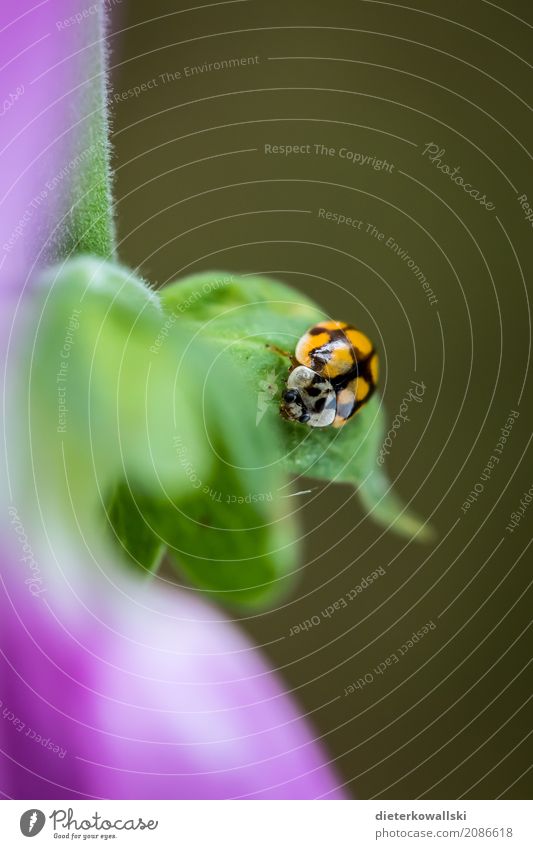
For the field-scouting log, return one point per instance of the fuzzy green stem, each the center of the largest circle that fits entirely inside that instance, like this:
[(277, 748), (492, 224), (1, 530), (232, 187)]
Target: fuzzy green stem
[(88, 225)]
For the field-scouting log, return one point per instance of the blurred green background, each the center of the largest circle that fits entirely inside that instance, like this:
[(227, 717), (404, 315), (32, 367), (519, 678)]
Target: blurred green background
[(196, 189)]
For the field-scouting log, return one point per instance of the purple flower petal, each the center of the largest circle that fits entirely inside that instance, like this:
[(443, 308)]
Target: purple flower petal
[(147, 695)]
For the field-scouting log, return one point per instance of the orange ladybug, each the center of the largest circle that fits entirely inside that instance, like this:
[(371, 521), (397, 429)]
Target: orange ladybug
[(335, 372)]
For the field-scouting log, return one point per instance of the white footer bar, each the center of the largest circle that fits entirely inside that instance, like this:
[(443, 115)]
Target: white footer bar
[(268, 824)]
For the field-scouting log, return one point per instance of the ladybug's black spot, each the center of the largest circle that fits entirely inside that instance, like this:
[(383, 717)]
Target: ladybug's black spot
[(319, 358), (361, 368), (319, 405), (313, 391)]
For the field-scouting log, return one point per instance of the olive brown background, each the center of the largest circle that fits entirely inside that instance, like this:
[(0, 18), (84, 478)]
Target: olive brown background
[(198, 189)]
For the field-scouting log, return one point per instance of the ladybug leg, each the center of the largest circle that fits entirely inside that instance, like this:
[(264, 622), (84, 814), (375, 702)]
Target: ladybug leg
[(282, 353)]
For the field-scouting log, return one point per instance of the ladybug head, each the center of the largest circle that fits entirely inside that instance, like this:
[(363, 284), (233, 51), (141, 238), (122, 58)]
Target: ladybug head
[(293, 407), (308, 398)]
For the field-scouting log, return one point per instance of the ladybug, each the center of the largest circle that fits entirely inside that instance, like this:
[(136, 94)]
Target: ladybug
[(334, 372)]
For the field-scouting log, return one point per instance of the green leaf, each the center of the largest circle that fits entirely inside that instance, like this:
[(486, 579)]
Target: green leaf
[(101, 403), (140, 544), (156, 417), (228, 533), (244, 312), (385, 506), (235, 543), (170, 434), (249, 315)]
